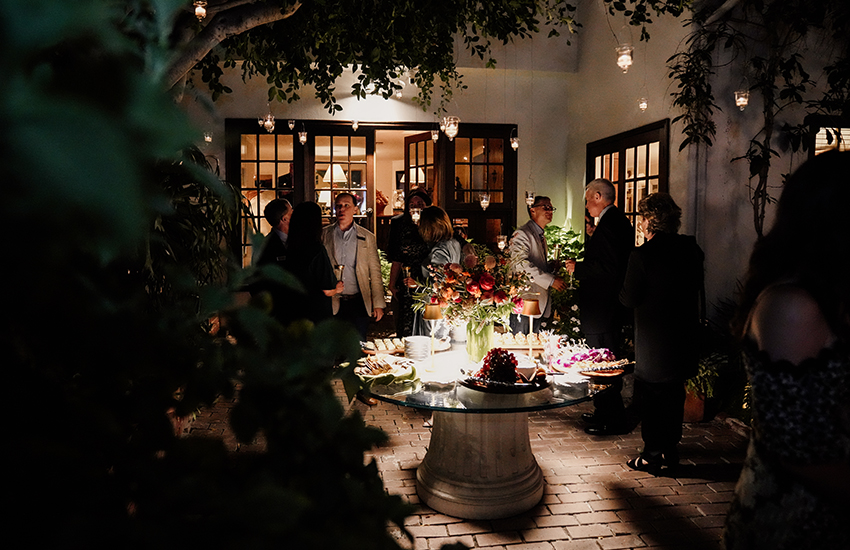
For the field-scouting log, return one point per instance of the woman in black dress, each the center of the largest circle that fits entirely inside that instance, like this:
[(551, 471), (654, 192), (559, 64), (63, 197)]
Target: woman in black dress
[(663, 282), (406, 250), (307, 259)]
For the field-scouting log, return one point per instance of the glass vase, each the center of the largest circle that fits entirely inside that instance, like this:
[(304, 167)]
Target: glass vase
[(478, 342)]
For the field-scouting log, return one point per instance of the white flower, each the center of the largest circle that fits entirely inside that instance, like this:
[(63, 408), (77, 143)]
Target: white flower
[(574, 308), (574, 320)]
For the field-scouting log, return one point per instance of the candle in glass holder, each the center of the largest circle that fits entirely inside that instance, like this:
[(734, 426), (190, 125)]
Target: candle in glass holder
[(502, 241)]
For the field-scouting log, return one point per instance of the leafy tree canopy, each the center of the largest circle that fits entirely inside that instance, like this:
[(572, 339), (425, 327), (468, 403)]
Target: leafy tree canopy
[(294, 43)]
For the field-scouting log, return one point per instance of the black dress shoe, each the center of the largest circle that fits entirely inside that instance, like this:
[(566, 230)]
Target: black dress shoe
[(590, 418), (607, 429)]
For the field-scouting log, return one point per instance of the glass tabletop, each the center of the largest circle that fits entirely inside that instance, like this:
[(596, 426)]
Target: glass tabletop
[(442, 385)]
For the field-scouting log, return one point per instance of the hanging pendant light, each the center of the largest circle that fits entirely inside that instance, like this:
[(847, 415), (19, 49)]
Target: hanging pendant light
[(355, 125), (200, 9), (452, 126), (484, 199), (624, 57), (267, 121), (208, 136), (291, 124), (514, 140), (443, 124), (302, 135), (643, 104), (529, 198), (435, 135)]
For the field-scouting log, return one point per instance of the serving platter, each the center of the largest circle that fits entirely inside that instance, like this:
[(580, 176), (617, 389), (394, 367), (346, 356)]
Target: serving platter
[(488, 386)]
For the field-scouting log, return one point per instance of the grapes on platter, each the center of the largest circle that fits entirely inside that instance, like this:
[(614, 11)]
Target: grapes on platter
[(499, 366)]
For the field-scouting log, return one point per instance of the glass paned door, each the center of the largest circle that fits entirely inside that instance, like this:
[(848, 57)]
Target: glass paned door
[(340, 165), (266, 168), (636, 164), (479, 169), (420, 158)]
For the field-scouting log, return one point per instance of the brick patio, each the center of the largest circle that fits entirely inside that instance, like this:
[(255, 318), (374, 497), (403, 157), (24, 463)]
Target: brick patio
[(591, 501)]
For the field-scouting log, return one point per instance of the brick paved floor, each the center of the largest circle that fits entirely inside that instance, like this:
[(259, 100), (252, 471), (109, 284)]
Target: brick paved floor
[(592, 500)]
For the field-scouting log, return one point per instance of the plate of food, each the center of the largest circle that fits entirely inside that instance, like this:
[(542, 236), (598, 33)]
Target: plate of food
[(499, 374)]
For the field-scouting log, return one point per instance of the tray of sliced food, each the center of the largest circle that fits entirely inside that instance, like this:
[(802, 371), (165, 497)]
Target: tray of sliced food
[(383, 345), (381, 364)]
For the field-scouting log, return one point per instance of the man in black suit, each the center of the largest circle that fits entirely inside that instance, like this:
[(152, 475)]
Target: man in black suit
[(277, 212), (601, 276)]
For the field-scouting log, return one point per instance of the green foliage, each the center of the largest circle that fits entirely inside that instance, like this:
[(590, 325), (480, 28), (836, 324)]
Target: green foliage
[(386, 269), (387, 43), (563, 243), (566, 319), (120, 303), (639, 12)]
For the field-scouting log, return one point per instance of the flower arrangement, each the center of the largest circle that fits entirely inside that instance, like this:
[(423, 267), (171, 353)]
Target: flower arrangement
[(480, 291), (565, 243)]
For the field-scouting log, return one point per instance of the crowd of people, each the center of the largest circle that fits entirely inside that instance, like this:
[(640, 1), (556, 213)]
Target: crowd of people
[(794, 325)]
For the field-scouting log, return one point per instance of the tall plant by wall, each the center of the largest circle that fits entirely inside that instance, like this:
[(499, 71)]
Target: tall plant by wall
[(113, 269)]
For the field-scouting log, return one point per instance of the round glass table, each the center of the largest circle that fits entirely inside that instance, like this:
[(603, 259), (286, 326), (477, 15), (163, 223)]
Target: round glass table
[(479, 463)]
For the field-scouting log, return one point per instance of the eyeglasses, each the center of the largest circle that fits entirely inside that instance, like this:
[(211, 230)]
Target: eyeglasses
[(546, 208)]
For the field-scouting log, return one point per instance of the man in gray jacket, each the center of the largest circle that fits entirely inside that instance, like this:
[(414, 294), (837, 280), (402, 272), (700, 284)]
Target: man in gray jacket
[(528, 248), (355, 249)]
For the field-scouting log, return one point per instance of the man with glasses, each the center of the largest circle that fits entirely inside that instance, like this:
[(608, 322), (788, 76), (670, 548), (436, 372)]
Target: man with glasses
[(354, 250), (601, 274), (528, 247)]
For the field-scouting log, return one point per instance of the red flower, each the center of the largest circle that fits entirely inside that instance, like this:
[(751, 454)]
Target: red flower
[(500, 297), (473, 288), (486, 281)]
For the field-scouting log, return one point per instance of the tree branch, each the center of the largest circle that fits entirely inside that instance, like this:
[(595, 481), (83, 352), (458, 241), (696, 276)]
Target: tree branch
[(232, 21)]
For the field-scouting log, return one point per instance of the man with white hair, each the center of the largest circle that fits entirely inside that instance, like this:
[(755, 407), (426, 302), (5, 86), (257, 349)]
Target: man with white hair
[(601, 275)]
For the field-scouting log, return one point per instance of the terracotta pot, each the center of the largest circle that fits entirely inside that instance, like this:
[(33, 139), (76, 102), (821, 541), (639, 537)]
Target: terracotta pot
[(694, 407)]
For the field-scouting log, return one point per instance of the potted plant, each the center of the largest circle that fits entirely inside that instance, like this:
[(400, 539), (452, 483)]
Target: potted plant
[(701, 386)]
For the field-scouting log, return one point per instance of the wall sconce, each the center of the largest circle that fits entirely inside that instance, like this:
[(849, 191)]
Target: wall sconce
[(302, 135), (643, 103), (452, 124), (624, 56), (435, 135), (742, 98), (529, 198), (355, 125), (291, 124), (200, 9), (484, 199)]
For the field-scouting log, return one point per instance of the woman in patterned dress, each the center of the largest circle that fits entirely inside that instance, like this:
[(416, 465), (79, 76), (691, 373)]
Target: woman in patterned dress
[(794, 490)]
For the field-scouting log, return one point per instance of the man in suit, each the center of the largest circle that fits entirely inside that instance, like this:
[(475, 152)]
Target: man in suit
[(277, 212), (356, 250), (528, 246), (601, 276)]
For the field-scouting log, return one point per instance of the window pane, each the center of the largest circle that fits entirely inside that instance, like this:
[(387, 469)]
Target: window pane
[(284, 175), (248, 150), (284, 147), (321, 173), (411, 153), (340, 149), (267, 147), (479, 153), (496, 179), (653, 159), (429, 152), (641, 161), (358, 148), (323, 149), (478, 175), (249, 174), (630, 163), (598, 173), (266, 174), (461, 150), (614, 175), (462, 183), (496, 153)]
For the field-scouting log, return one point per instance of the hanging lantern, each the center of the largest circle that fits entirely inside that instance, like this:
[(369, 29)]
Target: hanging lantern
[(742, 99), (643, 104), (302, 135), (529, 198), (355, 125), (514, 139), (200, 9), (624, 57), (443, 124), (484, 199), (435, 135), (291, 124), (452, 124)]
